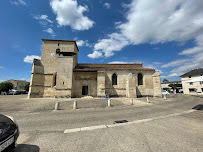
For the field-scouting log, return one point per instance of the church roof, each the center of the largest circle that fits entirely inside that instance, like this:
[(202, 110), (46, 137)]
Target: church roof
[(102, 67)]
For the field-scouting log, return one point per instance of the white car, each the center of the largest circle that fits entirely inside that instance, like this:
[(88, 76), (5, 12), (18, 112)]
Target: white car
[(165, 93)]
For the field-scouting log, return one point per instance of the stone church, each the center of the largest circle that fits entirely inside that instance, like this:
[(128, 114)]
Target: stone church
[(58, 74)]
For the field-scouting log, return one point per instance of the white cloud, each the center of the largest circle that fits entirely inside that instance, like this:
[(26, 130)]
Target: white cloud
[(95, 54), (82, 43), (156, 22), (29, 59), (151, 66), (192, 51), (171, 75), (175, 63), (107, 5), (1, 67), (119, 62), (26, 79), (68, 12), (193, 58), (192, 61), (114, 42), (18, 2), (43, 19), (50, 31), (158, 63)]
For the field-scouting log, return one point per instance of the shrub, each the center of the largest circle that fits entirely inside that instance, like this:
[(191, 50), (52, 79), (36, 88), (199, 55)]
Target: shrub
[(27, 86), (6, 86)]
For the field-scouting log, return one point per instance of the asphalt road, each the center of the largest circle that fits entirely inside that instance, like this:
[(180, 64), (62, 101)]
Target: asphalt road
[(158, 126)]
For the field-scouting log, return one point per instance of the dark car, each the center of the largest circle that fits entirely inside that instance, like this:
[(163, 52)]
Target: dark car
[(9, 133)]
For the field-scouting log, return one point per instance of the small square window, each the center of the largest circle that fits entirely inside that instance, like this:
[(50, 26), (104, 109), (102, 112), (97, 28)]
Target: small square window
[(201, 82), (191, 83)]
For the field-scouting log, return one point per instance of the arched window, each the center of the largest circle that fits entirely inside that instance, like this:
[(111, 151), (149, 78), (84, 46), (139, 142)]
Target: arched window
[(140, 79), (114, 79)]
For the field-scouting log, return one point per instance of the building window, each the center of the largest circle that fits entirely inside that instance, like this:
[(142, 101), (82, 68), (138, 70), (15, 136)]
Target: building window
[(140, 79), (189, 76), (114, 79), (192, 90), (201, 82), (191, 83), (54, 79)]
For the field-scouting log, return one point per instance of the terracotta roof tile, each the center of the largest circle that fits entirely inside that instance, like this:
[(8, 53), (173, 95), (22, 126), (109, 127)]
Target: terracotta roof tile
[(94, 69)]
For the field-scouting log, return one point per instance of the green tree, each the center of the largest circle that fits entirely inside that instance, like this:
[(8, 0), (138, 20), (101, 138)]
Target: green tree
[(27, 86), (167, 89), (165, 80), (6, 86)]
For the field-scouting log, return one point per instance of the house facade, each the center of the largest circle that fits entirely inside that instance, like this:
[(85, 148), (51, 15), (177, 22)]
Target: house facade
[(193, 88), (58, 74), (18, 84)]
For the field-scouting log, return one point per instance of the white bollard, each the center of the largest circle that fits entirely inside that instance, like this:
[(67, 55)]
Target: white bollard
[(109, 102), (57, 105), (131, 101), (164, 97), (147, 99), (75, 105)]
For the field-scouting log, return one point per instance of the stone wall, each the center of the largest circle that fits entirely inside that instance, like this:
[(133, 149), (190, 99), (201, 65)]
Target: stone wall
[(131, 86), (36, 89), (84, 79), (156, 84), (101, 83), (120, 89), (51, 66)]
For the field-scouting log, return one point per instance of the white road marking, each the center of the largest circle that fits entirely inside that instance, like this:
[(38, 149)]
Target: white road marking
[(123, 124), (93, 127), (72, 130)]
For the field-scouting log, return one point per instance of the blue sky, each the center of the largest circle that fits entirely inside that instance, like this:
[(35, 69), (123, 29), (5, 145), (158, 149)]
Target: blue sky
[(165, 35)]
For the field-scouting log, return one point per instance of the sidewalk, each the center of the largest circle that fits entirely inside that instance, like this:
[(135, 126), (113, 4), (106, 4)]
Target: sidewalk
[(21, 103)]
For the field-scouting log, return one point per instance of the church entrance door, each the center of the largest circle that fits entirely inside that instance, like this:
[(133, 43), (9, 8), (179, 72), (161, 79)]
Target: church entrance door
[(84, 90)]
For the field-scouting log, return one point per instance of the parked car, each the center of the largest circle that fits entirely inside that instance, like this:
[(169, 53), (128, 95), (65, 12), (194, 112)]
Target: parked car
[(13, 93), (22, 92), (165, 93), (9, 133)]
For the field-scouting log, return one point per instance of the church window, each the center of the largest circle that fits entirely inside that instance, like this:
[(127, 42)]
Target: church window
[(140, 79), (55, 77), (114, 79)]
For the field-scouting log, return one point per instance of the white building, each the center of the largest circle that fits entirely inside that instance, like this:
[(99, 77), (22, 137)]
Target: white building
[(189, 85)]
